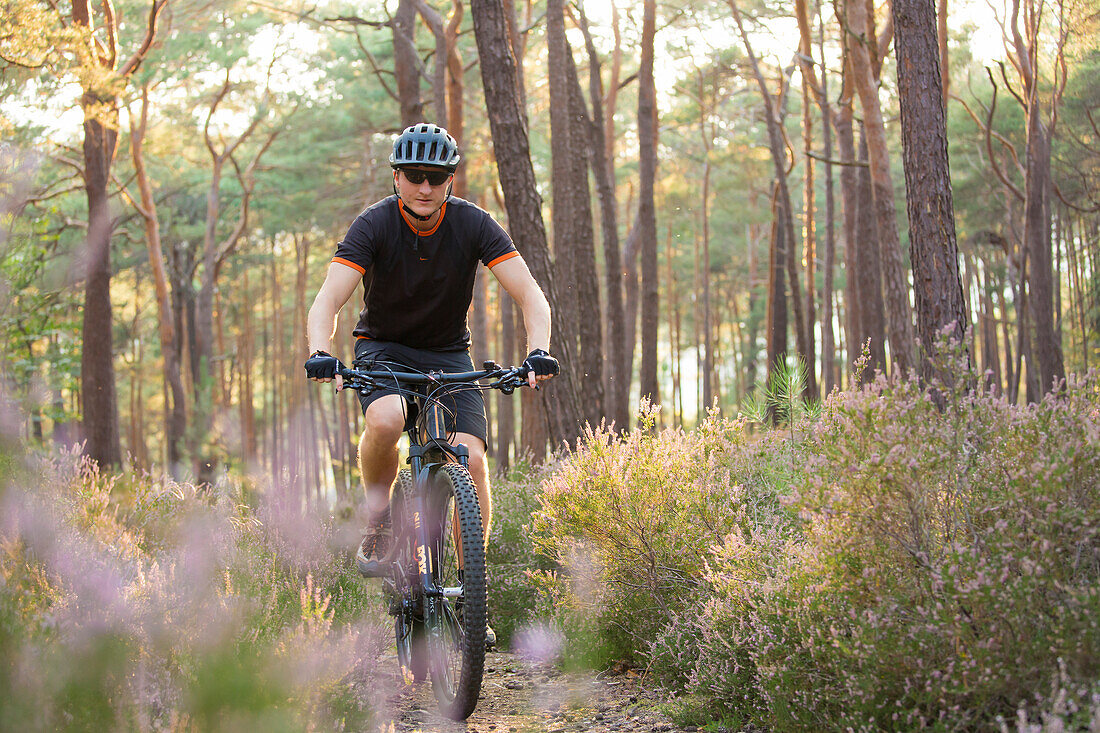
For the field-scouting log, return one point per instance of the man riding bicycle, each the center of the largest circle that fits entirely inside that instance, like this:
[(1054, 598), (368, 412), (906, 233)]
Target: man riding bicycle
[(416, 253)]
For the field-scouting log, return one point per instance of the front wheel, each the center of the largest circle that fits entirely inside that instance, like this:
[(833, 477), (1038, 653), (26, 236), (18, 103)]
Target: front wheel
[(456, 621)]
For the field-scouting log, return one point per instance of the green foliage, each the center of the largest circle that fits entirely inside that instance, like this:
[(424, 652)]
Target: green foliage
[(781, 401), (510, 556), (128, 603), (946, 567), (630, 524)]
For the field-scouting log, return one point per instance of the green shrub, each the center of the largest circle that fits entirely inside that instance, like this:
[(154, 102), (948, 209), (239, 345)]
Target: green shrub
[(631, 522), (948, 561), (510, 555)]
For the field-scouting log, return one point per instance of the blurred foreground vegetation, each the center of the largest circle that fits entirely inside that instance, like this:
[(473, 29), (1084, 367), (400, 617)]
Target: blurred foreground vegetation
[(880, 564)]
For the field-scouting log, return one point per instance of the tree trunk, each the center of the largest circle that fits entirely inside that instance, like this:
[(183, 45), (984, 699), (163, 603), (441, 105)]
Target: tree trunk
[(776, 327), (842, 121), (704, 206), (246, 345), (899, 318), (933, 250), (647, 213), (175, 414), (869, 271), (566, 214), (941, 40), (617, 374), (1037, 186), (783, 230), (508, 126), (97, 370), (99, 103), (630, 297), (585, 270), (810, 89), (506, 421), (456, 86), (809, 247), (434, 21), (828, 338), (406, 63), (991, 359)]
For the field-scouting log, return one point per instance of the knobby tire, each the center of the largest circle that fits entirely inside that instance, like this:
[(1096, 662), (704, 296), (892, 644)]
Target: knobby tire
[(456, 628)]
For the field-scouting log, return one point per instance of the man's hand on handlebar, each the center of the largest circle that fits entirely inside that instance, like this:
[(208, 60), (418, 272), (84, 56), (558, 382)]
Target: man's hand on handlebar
[(322, 366), (541, 366)]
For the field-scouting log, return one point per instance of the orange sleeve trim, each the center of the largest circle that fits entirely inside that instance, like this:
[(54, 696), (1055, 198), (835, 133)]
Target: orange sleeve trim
[(363, 338), (502, 258), (350, 264), (412, 224)]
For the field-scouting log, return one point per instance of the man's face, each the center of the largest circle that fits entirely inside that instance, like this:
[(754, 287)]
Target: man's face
[(423, 198)]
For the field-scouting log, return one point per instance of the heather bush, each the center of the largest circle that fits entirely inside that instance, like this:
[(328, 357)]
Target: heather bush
[(947, 560), (510, 555), (629, 524), (128, 602)]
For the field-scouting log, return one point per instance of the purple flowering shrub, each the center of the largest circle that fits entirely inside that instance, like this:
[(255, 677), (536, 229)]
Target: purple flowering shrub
[(946, 564), (630, 525), (133, 603)]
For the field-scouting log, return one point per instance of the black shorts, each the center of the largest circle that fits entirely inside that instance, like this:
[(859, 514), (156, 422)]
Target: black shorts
[(465, 409)]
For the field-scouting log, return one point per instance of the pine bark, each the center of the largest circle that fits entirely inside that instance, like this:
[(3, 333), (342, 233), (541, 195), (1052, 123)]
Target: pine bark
[(100, 104), (617, 373), (507, 123), (933, 251), (406, 63), (864, 62), (1037, 239), (647, 213), (872, 316), (828, 337), (571, 215)]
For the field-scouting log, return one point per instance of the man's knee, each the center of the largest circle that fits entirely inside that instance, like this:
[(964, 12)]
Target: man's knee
[(383, 421), (474, 444)]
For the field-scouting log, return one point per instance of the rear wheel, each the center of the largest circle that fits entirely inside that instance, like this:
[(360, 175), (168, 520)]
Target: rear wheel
[(412, 647), (456, 622), (409, 631)]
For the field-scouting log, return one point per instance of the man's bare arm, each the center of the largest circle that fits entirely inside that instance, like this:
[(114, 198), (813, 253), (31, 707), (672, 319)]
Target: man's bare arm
[(517, 280), (339, 284)]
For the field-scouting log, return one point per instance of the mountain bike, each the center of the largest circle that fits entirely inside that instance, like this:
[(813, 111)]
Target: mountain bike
[(437, 586)]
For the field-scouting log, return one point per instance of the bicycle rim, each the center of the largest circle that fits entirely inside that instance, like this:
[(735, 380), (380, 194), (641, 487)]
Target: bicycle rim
[(412, 652), (456, 622), (409, 632)]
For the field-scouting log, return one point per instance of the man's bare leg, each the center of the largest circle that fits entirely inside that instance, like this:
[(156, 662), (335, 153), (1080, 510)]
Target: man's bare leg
[(384, 421)]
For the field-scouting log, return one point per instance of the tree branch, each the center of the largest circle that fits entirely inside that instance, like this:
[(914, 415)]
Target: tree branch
[(837, 161), (989, 144), (134, 61)]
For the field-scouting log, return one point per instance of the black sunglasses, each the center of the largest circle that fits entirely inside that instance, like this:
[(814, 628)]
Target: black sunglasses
[(435, 178)]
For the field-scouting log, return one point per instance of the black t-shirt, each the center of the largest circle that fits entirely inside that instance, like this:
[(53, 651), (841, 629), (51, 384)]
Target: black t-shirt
[(419, 285)]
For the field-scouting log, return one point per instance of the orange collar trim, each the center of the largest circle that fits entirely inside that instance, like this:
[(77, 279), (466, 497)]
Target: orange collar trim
[(412, 224)]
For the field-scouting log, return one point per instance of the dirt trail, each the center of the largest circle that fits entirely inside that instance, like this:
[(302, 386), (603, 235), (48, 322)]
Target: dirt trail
[(522, 697)]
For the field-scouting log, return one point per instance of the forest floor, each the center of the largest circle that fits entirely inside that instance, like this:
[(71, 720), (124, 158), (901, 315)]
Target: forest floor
[(519, 696)]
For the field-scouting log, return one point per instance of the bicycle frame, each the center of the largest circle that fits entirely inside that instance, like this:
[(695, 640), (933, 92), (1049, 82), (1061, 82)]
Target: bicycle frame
[(425, 457)]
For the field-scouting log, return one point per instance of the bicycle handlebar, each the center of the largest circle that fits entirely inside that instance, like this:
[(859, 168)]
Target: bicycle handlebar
[(507, 379)]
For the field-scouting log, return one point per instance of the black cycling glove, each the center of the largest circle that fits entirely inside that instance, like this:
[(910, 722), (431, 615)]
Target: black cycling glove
[(322, 365), (541, 363)]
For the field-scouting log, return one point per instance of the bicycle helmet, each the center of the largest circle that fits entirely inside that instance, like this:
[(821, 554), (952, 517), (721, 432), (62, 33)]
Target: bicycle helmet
[(425, 144)]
